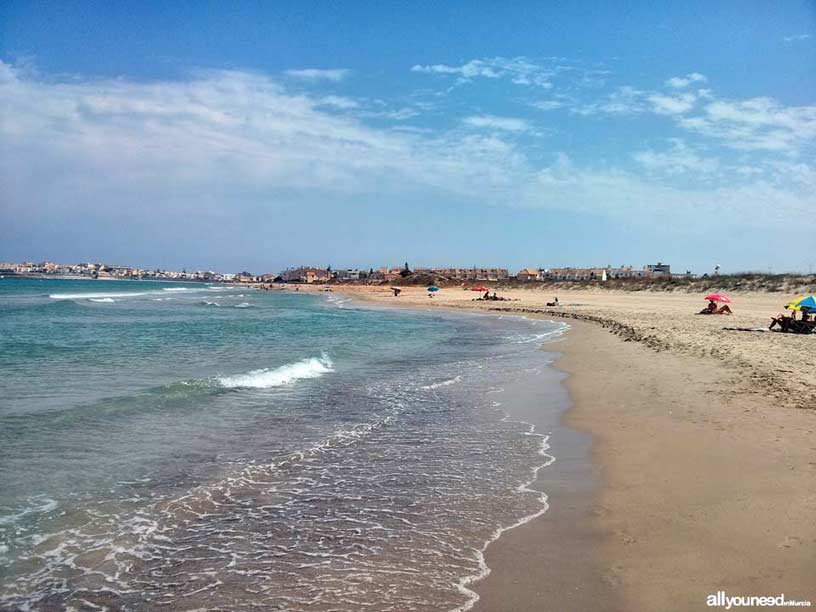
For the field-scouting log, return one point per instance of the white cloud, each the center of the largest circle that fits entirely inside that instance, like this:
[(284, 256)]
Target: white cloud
[(743, 203), (677, 160), (796, 37), (90, 144), (509, 124), (681, 82), (672, 105), (235, 143), (548, 105), (317, 74), (338, 102), (474, 68), (756, 124), (400, 114), (519, 70), (623, 101)]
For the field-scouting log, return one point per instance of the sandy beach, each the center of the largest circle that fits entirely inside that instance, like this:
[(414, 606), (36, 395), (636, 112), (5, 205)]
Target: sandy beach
[(702, 442)]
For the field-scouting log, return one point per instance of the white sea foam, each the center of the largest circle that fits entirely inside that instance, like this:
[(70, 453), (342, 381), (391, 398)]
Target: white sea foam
[(130, 294), (268, 378), (105, 300), (463, 586), (338, 301), (444, 383), (243, 305), (37, 505), (96, 296), (538, 337)]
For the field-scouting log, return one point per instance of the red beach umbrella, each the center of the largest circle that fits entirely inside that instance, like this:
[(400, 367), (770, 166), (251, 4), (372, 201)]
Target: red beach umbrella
[(479, 288), (718, 297)]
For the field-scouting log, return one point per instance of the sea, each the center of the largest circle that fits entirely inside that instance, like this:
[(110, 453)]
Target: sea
[(180, 446)]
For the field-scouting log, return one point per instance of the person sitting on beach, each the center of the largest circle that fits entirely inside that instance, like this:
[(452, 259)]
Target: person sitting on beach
[(554, 302), (782, 321), (724, 309), (710, 309)]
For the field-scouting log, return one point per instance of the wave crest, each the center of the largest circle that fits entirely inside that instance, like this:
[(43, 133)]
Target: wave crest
[(266, 378)]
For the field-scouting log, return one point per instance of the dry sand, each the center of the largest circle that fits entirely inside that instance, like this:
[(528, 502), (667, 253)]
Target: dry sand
[(704, 443)]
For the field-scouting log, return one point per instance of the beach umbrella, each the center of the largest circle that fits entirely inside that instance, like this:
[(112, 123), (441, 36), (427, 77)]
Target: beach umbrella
[(433, 288), (718, 297), (479, 288), (807, 301)]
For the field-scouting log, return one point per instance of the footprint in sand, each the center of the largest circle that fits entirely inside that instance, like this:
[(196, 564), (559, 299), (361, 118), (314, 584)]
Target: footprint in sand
[(790, 542)]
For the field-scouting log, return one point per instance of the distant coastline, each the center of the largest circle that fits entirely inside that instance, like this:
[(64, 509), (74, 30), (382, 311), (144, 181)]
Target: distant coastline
[(119, 278)]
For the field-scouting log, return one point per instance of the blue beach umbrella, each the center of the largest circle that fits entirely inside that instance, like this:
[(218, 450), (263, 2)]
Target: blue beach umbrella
[(433, 288), (808, 301)]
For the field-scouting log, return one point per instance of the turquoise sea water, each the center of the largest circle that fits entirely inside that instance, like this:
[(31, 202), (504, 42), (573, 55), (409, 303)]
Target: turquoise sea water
[(180, 446)]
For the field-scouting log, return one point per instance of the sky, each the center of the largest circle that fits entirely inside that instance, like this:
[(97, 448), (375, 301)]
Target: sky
[(257, 136)]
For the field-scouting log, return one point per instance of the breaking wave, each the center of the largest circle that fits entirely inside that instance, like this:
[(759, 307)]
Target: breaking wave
[(97, 296), (313, 367)]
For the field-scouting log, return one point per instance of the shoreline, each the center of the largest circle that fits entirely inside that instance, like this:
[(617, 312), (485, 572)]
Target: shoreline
[(566, 477), (706, 479)]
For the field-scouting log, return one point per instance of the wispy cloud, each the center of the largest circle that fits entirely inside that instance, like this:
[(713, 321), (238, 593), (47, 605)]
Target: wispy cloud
[(231, 143), (681, 82), (678, 159), (474, 68), (508, 124), (399, 114), (796, 37), (518, 70), (340, 102), (672, 105), (317, 74), (97, 140), (625, 100), (729, 205), (756, 124), (553, 103)]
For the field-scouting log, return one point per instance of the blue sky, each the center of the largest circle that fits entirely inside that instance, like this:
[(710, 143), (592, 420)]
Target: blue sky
[(202, 135)]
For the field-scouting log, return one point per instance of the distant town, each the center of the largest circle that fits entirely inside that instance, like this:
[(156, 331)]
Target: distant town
[(310, 275)]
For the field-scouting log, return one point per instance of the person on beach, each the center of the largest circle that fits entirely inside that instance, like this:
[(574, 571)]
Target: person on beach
[(712, 309), (782, 321)]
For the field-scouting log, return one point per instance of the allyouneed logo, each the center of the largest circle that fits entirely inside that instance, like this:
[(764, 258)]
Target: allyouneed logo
[(721, 600)]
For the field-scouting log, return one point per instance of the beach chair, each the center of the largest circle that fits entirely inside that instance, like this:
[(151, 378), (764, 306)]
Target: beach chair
[(801, 327)]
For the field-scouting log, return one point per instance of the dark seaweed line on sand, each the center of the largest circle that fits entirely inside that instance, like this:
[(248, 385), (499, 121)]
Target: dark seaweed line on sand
[(770, 381)]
